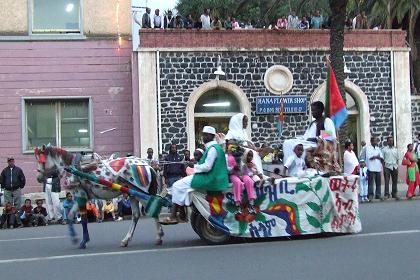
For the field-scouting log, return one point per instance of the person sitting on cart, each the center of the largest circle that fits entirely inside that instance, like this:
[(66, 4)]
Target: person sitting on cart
[(210, 175)]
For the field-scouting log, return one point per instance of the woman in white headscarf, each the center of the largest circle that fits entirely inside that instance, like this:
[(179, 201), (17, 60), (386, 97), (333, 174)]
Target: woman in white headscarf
[(237, 131)]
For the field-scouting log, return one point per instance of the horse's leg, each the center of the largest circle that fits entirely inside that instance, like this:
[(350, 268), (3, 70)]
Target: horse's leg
[(159, 232), (134, 219), (70, 222)]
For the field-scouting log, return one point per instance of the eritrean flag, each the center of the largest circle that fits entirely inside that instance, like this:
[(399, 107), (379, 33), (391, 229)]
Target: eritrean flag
[(335, 108), (280, 124)]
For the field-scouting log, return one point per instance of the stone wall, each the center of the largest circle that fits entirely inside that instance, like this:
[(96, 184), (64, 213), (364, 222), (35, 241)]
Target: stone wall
[(182, 72), (415, 115)]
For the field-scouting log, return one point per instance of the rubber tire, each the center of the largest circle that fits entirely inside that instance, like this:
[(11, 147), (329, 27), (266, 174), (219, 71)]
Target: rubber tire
[(193, 219), (208, 233)]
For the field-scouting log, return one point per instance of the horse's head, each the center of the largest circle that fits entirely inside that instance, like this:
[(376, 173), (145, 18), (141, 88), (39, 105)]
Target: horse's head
[(51, 161)]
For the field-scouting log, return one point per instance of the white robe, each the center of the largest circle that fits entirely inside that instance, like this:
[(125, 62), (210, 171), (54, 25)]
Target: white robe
[(238, 133), (289, 145)]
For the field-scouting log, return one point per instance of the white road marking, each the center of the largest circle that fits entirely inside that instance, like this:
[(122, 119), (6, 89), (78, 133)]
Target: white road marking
[(33, 238), (178, 248)]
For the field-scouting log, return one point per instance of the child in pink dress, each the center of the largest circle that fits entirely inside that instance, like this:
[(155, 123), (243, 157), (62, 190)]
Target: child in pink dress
[(240, 180)]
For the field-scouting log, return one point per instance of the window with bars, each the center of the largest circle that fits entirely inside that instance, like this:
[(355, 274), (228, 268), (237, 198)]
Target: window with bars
[(65, 123)]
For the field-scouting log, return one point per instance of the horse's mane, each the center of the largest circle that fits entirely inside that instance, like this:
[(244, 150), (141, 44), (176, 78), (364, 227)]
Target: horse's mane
[(55, 151)]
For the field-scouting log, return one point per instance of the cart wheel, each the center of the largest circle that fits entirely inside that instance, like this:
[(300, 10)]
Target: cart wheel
[(209, 233), (193, 220)]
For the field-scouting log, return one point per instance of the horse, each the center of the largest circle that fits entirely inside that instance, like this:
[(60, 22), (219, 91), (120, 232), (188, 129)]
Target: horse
[(131, 171)]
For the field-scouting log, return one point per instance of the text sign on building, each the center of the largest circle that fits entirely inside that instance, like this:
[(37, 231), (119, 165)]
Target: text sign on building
[(293, 104)]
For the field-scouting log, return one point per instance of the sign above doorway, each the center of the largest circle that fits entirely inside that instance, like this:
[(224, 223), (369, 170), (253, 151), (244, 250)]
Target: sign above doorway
[(293, 104)]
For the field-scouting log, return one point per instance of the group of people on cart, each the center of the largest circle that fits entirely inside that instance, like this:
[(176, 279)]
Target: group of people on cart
[(233, 158)]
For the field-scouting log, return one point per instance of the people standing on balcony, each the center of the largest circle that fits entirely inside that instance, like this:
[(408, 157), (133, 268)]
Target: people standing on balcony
[(189, 22), (293, 21), (304, 24), (390, 167), (228, 23), (169, 20), (205, 19), (12, 180), (179, 23), (362, 21), (216, 24), (157, 19), (145, 21), (317, 21), (235, 24), (281, 23)]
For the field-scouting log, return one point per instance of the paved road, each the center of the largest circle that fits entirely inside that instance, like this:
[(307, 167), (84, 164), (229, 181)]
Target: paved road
[(388, 248)]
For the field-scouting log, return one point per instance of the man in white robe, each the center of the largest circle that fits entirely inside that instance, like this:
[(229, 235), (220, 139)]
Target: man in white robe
[(314, 131)]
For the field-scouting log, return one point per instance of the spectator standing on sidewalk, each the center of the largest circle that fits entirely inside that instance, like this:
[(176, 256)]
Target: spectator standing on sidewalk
[(413, 175), (12, 180), (374, 160), (173, 171), (417, 150), (390, 167), (52, 189)]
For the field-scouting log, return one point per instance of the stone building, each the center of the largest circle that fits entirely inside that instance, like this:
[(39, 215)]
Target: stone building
[(179, 92)]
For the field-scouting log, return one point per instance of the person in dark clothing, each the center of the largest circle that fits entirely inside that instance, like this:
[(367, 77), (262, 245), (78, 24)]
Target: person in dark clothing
[(173, 171), (124, 207), (145, 21), (40, 214), (25, 213), (169, 21), (9, 218), (12, 180)]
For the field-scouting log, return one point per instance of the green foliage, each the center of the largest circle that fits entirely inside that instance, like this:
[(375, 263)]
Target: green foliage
[(327, 217), (326, 196), (302, 187), (314, 206), (313, 221)]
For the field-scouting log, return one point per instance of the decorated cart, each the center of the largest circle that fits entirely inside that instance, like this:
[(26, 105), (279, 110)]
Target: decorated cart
[(285, 207)]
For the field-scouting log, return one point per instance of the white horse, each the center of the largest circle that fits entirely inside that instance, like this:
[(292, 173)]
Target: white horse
[(128, 171)]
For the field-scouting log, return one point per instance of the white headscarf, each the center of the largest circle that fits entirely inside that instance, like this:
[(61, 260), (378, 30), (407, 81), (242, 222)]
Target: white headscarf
[(236, 130)]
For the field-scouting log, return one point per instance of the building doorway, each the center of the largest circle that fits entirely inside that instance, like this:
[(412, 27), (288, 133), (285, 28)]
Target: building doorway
[(214, 108), (213, 103)]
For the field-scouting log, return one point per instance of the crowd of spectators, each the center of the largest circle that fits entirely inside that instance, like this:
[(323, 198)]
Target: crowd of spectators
[(206, 21)]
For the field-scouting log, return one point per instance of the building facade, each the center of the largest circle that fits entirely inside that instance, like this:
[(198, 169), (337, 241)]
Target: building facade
[(65, 78), (178, 87)]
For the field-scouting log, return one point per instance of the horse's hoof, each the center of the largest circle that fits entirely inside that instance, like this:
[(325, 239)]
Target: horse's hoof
[(158, 242), (82, 246), (124, 244)]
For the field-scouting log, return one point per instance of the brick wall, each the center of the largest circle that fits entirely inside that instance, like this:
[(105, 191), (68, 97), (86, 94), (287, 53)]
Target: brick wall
[(261, 38)]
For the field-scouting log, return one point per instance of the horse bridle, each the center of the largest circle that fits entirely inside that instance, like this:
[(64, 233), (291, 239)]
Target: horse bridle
[(42, 158)]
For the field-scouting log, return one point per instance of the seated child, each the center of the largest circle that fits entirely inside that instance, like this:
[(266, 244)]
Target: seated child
[(92, 212), (67, 205), (9, 217), (240, 180), (25, 213), (363, 181), (250, 169), (108, 211), (40, 214), (124, 207), (295, 163)]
